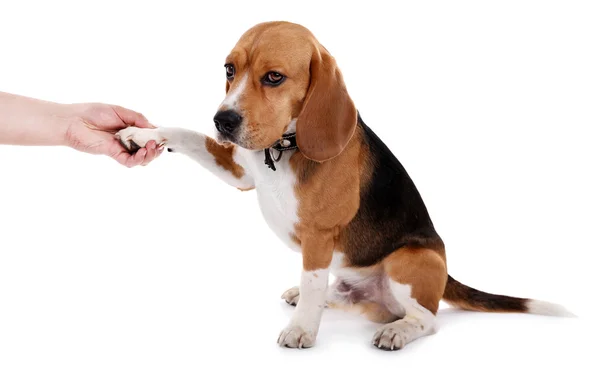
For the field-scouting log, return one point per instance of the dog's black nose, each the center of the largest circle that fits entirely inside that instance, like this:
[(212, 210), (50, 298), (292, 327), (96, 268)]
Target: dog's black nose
[(227, 121)]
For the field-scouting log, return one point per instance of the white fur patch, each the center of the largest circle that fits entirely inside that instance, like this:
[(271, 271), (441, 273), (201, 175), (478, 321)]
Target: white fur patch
[(232, 99), (313, 286), (304, 325), (547, 309), (337, 262), (355, 277), (275, 192), (140, 136), (291, 128)]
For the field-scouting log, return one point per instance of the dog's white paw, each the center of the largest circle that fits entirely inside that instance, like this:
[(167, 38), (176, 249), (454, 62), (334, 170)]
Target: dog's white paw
[(296, 337), (292, 296), (134, 138), (394, 336)]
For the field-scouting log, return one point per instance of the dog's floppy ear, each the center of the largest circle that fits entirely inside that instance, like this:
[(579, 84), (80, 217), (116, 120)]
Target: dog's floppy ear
[(328, 118)]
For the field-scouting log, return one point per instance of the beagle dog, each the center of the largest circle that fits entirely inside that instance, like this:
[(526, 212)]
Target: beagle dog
[(330, 189)]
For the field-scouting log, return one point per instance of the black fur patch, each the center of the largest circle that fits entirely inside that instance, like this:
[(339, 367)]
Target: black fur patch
[(392, 213), (469, 298)]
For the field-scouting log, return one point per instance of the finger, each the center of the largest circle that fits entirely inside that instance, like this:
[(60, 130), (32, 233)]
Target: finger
[(118, 153), (131, 117), (153, 152), (122, 157), (137, 158), (126, 159)]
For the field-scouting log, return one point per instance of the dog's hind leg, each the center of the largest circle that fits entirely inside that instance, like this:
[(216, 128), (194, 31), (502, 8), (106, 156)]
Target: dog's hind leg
[(416, 278)]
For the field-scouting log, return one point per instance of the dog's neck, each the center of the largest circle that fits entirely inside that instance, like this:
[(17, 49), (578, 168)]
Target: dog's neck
[(286, 143)]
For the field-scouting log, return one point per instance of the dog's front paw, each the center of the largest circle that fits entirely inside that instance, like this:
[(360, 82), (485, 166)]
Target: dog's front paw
[(292, 296), (296, 337), (134, 138)]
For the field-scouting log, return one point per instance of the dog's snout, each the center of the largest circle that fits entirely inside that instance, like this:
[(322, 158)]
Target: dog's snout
[(227, 121)]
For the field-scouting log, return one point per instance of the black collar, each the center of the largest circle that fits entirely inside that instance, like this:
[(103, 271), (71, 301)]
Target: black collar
[(287, 142)]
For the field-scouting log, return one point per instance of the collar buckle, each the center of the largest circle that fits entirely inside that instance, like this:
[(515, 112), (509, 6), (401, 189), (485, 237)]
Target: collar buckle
[(286, 143)]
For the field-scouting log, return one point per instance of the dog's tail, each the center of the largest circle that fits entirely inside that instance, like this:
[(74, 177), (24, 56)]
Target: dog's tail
[(465, 297)]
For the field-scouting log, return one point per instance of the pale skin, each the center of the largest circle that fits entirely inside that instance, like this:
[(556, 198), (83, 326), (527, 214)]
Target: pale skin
[(85, 127)]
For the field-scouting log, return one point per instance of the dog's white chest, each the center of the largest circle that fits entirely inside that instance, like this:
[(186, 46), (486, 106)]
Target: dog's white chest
[(276, 196)]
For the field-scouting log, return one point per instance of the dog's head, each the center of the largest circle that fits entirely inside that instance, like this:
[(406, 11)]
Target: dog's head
[(281, 79)]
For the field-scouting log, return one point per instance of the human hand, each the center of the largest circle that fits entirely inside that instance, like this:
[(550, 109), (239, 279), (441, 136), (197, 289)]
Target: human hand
[(92, 130)]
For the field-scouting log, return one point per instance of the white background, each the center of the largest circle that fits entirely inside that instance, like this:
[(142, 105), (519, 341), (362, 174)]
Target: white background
[(493, 110)]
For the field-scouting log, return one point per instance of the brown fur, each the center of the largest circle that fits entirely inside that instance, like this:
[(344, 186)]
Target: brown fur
[(328, 116), (374, 312), (295, 238), (423, 269), (328, 198), (377, 313), (224, 157)]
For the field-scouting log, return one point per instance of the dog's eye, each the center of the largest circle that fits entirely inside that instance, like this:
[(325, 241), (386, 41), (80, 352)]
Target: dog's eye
[(273, 78), (229, 71)]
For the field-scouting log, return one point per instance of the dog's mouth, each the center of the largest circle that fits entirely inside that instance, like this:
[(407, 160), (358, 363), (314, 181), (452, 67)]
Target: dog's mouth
[(236, 138), (252, 142), (226, 138)]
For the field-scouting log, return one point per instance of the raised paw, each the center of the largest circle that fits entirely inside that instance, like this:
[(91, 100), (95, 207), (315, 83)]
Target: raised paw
[(292, 296), (393, 336), (134, 138), (296, 337)]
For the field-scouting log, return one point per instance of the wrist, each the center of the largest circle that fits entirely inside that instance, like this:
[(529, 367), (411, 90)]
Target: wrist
[(62, 120)]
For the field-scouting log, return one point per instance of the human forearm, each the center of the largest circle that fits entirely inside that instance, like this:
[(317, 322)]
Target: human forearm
[(28, 121), (86, 127)]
